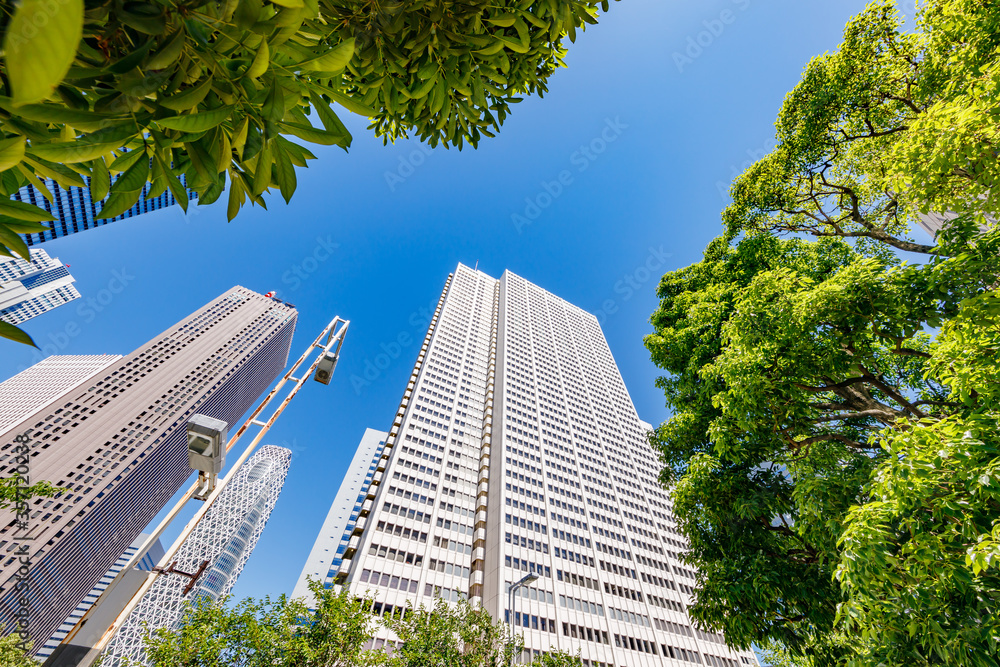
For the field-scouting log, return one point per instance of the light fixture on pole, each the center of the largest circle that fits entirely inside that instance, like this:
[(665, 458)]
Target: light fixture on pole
[(523, 581)]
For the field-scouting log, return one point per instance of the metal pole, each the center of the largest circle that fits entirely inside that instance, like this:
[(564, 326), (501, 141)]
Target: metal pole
[(333, 334)]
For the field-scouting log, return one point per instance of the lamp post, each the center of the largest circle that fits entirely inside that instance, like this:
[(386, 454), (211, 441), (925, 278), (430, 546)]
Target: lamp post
[(523, 581)]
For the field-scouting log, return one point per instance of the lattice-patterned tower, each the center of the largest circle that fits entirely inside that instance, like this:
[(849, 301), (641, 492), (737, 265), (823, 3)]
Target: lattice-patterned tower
[(211, 559)]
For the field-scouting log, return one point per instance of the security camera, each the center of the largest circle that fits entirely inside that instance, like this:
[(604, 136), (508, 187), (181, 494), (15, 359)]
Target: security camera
[(324, 372)]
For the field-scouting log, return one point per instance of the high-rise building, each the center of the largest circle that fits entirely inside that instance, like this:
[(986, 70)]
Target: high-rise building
[(39, 385), (328, 551), (215, 553), (146, 563), (117, 447), (75, 211), (28, 289), (516, 449)]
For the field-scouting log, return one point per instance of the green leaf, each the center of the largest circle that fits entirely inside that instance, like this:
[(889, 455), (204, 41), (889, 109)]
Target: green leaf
[(169, 53), (274, 104), (11, 152), (71, 152), (21, 226), (262, 172), (188, 99), (314, 135), (134, 177), (40, 45), (100, 180), (292, 4), (126, 160), (334, 60), (10, 239), (330, 120), (236, 197), (197, 122), (261, 61), (118, 203), (284, 172), (177, 188), (56, 172), (10, 332), (23, 211)]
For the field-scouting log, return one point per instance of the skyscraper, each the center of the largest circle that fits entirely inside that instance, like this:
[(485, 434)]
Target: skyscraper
[(38, 385), (217, 549), (117, 446), (28, 289), (74, 211), (516, 449), (147, 563), (328, 551)]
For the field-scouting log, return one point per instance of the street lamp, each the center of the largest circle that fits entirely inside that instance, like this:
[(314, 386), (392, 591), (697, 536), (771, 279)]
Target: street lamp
[(523, 581)]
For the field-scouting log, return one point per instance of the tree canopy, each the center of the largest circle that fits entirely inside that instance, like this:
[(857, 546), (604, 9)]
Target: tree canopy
[(832, 450), (889, 125), (185, 93), (335, 631)]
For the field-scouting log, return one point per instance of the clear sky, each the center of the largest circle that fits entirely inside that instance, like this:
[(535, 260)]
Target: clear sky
[(662, 104)]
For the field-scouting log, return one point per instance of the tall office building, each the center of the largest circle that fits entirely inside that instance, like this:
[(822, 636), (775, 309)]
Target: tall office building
[(117, 446), (38, 385), (146, 563), (75, 211), (328, 551), (212, 556), (516, 449), (28, 289)]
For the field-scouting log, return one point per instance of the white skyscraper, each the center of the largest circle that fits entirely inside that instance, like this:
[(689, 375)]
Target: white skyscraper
[(36, 386), (516, 449), (28, 289), (328, 551)]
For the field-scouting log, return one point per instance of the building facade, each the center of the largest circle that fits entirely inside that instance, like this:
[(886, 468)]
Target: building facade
[(146, 563), (218, 548), (28, 289), (328, 551), (117, 447), (40, 384), (75, 211), (516, 449)]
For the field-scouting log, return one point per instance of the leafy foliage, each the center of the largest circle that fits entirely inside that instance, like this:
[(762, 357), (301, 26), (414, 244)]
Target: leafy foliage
[(113, 96), (333, 631), (832, 452), (264, 633), (11, 654), (890, 124)]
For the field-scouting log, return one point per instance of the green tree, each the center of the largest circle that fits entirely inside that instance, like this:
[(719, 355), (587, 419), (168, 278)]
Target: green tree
[(187, 93), (11, 654), (919, 560), (890, 124), (333, 632), (792, 365), (267, 633), (457, 635)]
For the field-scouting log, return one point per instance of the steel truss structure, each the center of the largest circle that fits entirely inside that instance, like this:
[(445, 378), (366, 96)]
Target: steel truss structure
[(210, 560)]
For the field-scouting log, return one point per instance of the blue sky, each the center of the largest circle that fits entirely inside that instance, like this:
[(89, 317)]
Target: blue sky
[(615, 177)]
